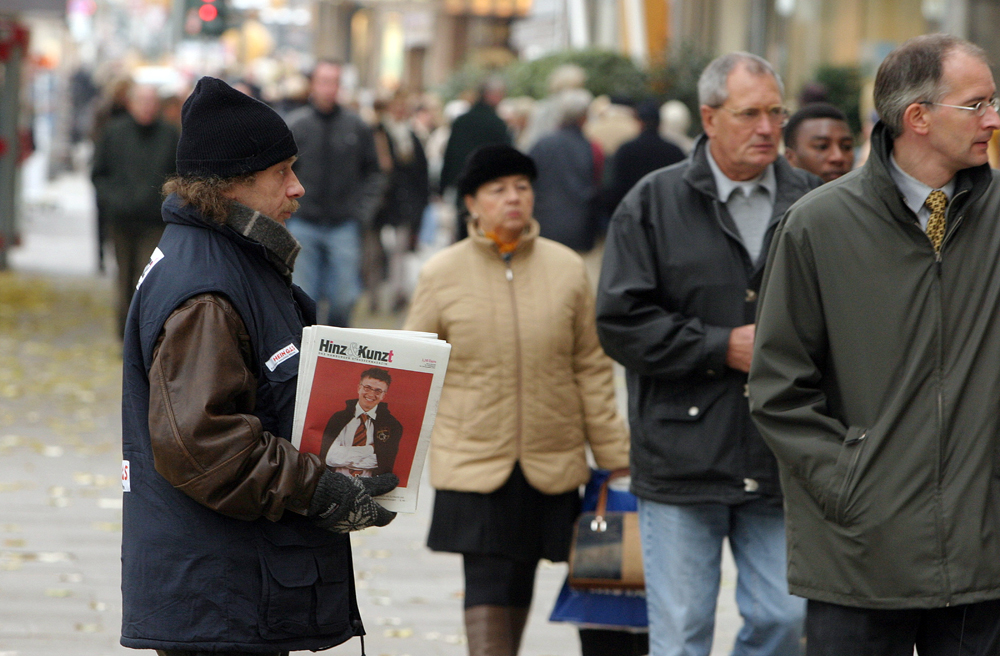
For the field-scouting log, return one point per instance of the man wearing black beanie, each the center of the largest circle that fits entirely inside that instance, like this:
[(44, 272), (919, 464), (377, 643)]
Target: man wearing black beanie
[(232, 541)]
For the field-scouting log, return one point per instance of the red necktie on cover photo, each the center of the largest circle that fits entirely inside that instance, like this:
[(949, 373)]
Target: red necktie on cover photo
[(361, 434)]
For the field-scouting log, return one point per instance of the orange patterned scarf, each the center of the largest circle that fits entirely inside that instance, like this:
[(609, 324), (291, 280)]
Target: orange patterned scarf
[(504, 247)]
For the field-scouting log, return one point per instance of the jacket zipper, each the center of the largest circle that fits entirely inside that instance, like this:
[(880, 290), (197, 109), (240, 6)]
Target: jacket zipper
[(509, 273), (851, 473), (950, 226)]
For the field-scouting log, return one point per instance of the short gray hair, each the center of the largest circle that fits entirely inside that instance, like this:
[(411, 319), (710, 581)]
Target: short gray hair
[(712, 89), (573, 105), (912, 73)]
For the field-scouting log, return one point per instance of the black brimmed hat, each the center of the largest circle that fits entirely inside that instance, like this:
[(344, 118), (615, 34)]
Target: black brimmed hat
[(226, 133), (491, 162)]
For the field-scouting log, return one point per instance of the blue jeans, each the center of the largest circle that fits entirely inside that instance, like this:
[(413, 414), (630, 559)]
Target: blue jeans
[(328, 267), (682, 556)]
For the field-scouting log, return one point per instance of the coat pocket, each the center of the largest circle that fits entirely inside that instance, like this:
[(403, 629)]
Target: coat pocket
[(306, 589), (846, 475), (681, 429)]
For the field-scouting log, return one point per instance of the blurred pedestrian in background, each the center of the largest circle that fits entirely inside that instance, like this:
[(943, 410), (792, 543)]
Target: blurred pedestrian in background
[(683, 260), (570, 169), (112, 103), (528, 389), (516, 112), (170, 109), (338, 162), (819, 140), (611, 124), (132, 159), (547, 115), (437, 141), (675, 121), (407, 192), (479, 126), (427, 116), (644, 154)]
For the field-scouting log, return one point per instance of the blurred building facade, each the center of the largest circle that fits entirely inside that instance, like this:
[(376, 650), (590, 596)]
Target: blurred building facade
[(419, 43), (20, 21), (415, 44)]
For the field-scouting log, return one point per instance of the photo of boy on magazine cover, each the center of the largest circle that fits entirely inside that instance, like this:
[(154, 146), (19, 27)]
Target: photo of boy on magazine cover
[(364, 422)]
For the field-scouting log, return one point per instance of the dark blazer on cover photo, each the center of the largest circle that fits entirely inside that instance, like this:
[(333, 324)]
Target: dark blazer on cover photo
[(388, 432)]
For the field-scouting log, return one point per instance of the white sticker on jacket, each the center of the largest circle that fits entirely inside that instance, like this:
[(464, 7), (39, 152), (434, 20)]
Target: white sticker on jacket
[(282, 355), (153, 259), (126, 477)]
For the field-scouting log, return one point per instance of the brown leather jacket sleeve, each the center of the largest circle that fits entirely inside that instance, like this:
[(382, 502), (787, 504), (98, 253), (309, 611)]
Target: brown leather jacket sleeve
[(205, 440)]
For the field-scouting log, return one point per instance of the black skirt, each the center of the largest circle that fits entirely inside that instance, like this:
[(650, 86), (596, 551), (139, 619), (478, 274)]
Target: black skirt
[(516, 521)]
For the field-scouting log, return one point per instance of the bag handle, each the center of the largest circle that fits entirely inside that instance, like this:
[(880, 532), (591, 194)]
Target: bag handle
[(598, 524)]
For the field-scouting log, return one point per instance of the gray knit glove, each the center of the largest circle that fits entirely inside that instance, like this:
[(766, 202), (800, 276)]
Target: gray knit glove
[(344, 503)]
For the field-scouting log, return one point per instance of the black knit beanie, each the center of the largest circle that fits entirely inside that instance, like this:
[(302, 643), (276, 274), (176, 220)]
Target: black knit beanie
[(226, 133), (492, 162)]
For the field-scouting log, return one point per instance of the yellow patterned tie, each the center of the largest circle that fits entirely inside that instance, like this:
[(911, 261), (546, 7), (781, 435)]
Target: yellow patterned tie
[(936, 202)]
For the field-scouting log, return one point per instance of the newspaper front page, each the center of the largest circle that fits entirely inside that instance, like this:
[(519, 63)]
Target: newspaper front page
[(366, 402)]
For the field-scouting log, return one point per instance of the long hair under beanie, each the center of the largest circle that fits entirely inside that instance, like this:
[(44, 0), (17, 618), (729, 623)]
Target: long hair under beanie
[(225, 133)]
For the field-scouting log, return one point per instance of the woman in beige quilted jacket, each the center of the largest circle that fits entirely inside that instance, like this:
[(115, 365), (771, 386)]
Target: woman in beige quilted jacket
[(528, 389)]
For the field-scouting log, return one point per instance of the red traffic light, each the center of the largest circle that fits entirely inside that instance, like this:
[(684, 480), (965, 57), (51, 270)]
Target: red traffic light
[(208, 13)]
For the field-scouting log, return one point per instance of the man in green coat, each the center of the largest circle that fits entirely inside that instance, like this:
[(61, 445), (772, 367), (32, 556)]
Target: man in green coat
[(876, 372)]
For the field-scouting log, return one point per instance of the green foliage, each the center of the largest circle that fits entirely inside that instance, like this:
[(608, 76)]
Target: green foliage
[(677, 79), (607, 73), (843, 87)]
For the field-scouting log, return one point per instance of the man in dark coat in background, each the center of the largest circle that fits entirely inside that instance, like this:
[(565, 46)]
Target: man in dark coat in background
[(644, 154), (132, 159), (569, 174), (340, 167), (480, 126)]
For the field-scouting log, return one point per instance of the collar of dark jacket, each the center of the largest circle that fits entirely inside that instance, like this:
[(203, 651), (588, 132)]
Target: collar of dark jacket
[(282, 248), (254, 230), (330, 115), (791, 183), (970, 183)]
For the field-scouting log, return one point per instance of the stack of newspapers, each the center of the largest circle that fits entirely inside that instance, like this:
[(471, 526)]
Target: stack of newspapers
[(366, 402)]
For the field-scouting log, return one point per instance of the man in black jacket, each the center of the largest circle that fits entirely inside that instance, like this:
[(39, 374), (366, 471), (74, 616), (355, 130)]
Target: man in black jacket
[(339, 164), (480, 126), (675, 305), (132, 160), (644, 154), (364, 422)]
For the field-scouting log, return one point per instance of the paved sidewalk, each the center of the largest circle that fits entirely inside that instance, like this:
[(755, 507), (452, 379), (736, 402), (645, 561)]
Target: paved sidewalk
[(60, 378)]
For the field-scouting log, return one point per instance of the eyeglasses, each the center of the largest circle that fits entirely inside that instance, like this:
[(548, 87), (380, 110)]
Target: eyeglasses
[(979, 108), (776, 115), (373, 390)]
